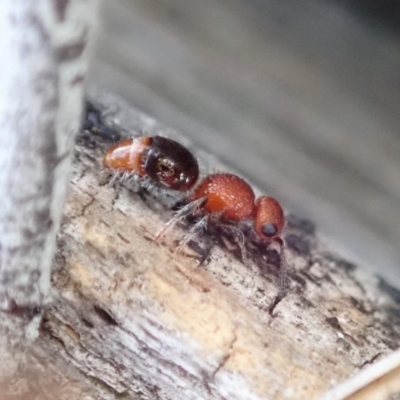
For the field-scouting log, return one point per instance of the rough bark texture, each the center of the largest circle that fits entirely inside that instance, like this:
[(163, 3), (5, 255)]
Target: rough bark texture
[(377, 381), (44, 45), (149, 324)]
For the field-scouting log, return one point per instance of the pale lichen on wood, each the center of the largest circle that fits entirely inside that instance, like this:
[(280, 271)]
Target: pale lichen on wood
[(45, 46), (145, 321)]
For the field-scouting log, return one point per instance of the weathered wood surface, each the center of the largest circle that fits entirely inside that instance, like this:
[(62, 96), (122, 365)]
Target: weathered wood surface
[(147, 323), (46, 47), (300, 96), (377, 381), (47, 376)]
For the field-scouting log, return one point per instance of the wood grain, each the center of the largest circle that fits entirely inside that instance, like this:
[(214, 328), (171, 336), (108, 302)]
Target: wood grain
[(41, 95), (147, 322)]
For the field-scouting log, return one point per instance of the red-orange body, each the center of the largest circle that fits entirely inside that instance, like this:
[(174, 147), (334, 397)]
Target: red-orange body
[(227, 195), (162, 160), (269, 218), (234, 199), (169, 164), (128, 155)]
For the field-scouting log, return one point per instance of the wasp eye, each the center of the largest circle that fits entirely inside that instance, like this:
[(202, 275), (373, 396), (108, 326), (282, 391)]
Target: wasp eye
[(269, 229)]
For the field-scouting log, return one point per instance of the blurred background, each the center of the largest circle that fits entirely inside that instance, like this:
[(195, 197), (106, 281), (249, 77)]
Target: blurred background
[(300, 96)]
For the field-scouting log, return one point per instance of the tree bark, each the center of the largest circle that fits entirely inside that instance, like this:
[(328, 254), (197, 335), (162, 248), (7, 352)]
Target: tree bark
[(150, 324), (44, 47), (378, 381)]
